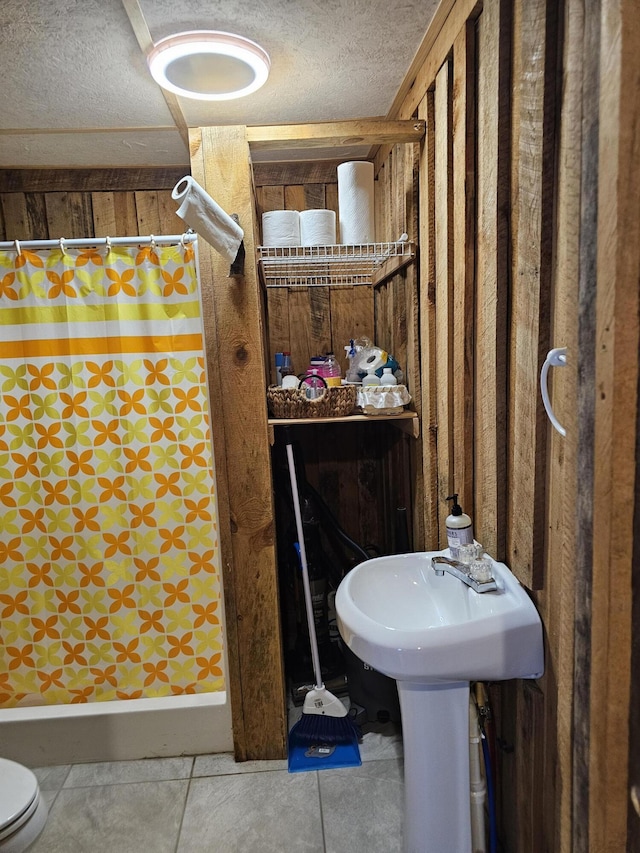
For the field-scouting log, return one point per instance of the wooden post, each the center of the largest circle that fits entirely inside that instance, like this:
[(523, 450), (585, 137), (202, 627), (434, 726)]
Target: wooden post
[(234, 332)]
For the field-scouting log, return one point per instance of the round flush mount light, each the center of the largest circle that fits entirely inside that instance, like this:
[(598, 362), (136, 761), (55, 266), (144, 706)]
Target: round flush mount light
[(209, 65)]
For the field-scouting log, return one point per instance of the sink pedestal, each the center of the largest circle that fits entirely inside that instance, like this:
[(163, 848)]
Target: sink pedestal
[(435, 731)]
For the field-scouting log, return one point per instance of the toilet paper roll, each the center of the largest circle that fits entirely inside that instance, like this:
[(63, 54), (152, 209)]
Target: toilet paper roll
[(317, 227), (355, 202), (281, 228), (207, 218)]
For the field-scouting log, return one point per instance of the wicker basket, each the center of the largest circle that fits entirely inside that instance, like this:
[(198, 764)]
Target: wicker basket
[(293, 402)]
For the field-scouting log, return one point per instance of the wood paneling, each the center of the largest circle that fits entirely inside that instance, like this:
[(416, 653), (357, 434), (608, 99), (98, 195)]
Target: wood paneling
[(428, 325), (492, 287), (464, 257), (532, 205), (444, 248), (88, 180), (615, 393)]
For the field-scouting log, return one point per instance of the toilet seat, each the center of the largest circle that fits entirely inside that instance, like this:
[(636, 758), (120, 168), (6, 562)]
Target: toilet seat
[(23, 812)]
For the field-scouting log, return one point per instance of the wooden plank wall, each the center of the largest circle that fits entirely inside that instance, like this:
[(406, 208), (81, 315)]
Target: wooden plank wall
[(43, 215), (497, 182), (552, 162)]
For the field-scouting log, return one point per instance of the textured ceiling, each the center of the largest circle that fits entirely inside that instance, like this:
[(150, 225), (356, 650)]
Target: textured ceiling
[(76, 91)]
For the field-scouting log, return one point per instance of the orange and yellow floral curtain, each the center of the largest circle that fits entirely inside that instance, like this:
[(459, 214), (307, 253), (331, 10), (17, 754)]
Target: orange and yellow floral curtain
[(109, 562)]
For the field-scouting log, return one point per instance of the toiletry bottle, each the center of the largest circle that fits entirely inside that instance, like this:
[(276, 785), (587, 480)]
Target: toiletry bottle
[(459, 527), (286, 368), (278, 360), (387, 377), (352, 377), (371, 378), (332, 372)]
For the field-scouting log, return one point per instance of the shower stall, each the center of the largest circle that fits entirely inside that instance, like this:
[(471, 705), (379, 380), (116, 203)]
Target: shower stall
[(111, 610)]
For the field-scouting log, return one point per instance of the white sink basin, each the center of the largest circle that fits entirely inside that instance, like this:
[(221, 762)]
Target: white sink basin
[(398, 616)]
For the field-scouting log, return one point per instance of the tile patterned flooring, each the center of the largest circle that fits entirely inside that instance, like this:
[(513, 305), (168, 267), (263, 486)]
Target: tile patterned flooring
[(210, 804)]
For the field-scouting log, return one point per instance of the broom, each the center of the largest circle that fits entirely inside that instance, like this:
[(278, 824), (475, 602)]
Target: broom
[(324, 718)]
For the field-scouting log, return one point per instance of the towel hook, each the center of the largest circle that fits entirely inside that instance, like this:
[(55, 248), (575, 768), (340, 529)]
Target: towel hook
[(555, 358)]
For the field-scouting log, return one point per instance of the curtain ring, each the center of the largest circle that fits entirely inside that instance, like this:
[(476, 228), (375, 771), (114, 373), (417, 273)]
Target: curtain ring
[(62, 248), (152, 241), (17, 245), (107, 242), (182, 242)]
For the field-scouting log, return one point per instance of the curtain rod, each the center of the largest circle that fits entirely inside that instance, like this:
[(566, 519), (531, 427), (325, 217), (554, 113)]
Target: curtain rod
[(63, 243)]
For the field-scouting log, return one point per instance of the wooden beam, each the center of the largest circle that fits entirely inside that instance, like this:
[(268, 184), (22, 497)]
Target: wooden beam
[(447, 22), (444, 288), (427, 301), (464, 257), (615, 394), (234, 329), (332, 134), (143, 36), (556, 601), (490, 416), (532, 205)]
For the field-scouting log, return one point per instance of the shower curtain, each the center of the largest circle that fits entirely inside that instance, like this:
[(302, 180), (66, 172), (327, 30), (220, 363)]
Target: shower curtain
[(109, 563)]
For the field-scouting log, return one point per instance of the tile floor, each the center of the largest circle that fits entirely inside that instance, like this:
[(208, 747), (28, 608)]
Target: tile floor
[(210, 804)]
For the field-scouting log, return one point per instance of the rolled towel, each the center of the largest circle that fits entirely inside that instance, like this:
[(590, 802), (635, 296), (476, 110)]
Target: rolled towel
[(355, 202), (281, 228), (207, 218), (317, 227)]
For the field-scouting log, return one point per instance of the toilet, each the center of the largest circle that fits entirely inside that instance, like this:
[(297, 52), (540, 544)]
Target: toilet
[(23, 812)]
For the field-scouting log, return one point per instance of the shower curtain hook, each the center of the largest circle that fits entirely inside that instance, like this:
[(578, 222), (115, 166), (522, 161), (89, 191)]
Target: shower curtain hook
[(182, 242), (153, 241), (107, 242), (62, 248), (17, 245)]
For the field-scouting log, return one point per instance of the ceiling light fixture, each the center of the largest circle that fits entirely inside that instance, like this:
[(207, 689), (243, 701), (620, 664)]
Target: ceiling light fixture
[(209, 65)]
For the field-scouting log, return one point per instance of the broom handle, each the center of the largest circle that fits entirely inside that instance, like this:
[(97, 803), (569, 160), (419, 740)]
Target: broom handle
[(305, 571)]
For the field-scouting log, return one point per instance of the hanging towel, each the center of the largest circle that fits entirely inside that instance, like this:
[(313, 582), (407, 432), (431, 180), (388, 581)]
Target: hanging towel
[(207, 218)]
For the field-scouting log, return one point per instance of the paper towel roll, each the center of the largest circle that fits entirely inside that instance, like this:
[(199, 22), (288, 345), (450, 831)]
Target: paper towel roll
[(355, 202), (281, 228), (317, 227), (207, 218)]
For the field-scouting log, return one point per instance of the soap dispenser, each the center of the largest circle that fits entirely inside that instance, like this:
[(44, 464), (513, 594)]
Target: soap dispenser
[(459, 527)]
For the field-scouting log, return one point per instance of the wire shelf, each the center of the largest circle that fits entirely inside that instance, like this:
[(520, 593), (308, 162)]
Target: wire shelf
[(318, 266)]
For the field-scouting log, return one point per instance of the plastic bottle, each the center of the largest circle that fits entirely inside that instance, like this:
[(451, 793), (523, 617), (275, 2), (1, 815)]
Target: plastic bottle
[(459, 527), (352, 377), (371, 378), (387, 377), (286, 368), (278, 361), (332, 372)]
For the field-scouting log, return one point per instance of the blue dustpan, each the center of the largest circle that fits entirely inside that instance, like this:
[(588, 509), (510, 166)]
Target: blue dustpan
[(321, 756)]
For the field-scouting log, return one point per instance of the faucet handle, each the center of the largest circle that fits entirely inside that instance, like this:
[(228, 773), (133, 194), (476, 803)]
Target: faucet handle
[(481, 570)]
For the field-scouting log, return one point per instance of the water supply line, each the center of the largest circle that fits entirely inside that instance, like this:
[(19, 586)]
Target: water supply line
[(478, 788)]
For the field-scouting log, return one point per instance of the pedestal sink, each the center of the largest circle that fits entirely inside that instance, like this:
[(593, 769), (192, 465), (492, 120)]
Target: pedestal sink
[(434, 635)]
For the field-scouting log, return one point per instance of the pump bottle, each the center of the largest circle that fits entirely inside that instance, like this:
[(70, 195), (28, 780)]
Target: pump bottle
[(459, 527)]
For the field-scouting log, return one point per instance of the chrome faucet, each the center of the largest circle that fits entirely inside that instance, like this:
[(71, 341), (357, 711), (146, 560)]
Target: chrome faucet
[(460, 571)]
